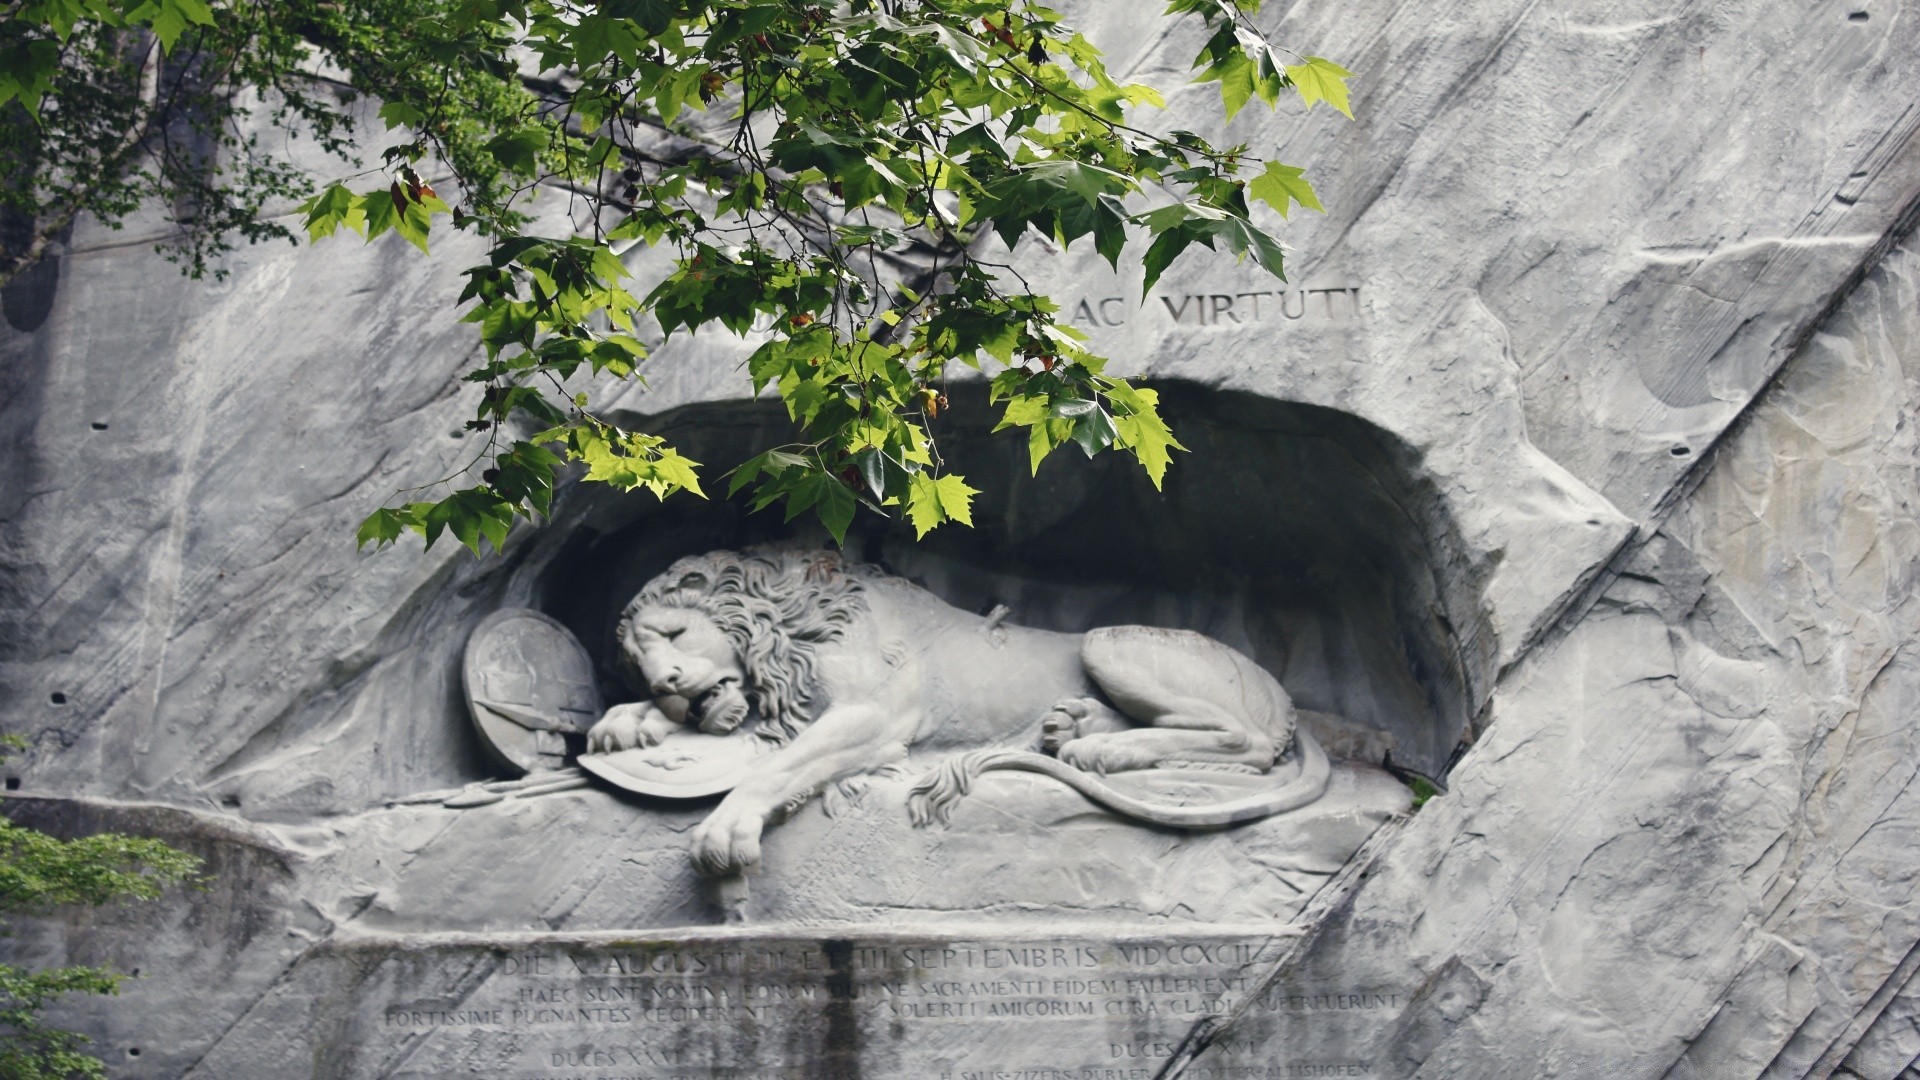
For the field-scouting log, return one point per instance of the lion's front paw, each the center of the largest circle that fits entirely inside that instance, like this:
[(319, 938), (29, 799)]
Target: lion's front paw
[(627, 727), (728, 842), (1108, 753)]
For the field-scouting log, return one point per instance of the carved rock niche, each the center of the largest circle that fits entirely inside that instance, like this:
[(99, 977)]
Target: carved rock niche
[(1304, 537)]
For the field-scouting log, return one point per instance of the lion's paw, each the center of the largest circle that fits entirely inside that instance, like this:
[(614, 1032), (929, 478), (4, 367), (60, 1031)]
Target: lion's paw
[(1109, 752), (635, 725), (728, 842), (1076, 718)]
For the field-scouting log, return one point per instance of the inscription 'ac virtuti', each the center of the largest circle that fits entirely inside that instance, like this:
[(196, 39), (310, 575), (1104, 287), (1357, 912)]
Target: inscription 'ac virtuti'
[(1225, 309)]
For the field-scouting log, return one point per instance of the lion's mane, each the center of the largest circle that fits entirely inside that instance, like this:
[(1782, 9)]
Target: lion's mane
[(777, 606)]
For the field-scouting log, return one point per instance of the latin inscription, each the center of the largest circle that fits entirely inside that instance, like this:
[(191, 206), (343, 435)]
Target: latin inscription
[(1218, 309), (960, 1010)]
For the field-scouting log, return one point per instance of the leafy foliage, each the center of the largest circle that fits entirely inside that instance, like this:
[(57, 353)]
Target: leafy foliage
[(105, 104), (30, 1048), (1423, 790), (823, 178), (39, 873)]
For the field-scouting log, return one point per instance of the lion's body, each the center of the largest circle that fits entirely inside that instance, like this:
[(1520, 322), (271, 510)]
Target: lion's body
[(970, 683), (892, 673), (976, 684)]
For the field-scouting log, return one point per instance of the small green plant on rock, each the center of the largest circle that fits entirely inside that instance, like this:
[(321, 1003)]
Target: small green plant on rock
[(39, 873), (1423, 790)]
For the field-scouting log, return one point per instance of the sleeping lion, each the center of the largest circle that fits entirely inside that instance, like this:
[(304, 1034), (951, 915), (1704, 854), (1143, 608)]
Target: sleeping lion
[(850, 670)]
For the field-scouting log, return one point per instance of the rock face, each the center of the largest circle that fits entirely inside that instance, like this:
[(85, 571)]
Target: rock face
[(1575, 468)]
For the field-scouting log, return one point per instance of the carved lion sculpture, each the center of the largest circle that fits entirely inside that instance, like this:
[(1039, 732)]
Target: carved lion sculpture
[(849, 670)]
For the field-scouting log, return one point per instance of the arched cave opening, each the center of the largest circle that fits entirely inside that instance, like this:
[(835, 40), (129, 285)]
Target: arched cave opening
[(1304, 536)]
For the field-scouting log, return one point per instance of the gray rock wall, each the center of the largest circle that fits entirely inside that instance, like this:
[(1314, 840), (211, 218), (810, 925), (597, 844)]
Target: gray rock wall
[(1628, 293), (1684, 845)]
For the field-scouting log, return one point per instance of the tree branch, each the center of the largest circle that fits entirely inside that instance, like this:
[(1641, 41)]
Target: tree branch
[(110, 164)]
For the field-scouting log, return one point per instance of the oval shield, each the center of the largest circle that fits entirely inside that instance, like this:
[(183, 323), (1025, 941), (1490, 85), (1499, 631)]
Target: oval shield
[(684, 765), (528, 681)]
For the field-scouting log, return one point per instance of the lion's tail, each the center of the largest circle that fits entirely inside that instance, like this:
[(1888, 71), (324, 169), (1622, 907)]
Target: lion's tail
[(934, 797)]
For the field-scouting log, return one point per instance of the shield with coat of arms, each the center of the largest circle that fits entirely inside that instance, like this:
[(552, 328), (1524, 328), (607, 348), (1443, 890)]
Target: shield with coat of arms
[(528, 682)]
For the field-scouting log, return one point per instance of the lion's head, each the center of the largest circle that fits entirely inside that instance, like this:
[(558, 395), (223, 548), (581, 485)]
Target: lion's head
[(731, 630)]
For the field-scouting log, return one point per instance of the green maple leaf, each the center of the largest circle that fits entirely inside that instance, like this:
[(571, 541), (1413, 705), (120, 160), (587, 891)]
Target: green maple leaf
[(1142, 431), (956, 498), (1320, 79), (26, 72), (383, 527), (1040, 443), (519, 151), (1244, 238), (1280, 185), (606, 466), (923, 505), (671, 473), (804, 397), (1237, 76), (931, 501), (835, 506), (400, 114), (170, 18), (1150, 440), (333, 207), (1024, 411)]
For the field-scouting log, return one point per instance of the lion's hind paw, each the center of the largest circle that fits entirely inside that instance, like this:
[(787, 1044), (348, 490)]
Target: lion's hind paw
[(1076, 718)]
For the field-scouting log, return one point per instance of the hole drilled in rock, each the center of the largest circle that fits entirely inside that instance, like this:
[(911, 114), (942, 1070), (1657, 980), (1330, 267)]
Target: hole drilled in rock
[(13, 783), (57, 698), (1681, 451), (1858, 16), (99, 425)]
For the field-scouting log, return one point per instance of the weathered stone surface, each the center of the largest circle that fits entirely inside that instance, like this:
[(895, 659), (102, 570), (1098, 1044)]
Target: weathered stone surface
[(1584, 434), (1687, 832), (992, 1003), (199, 960), (407, 881)]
